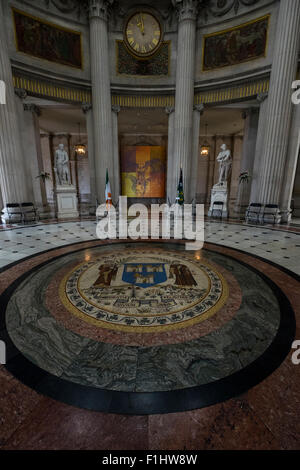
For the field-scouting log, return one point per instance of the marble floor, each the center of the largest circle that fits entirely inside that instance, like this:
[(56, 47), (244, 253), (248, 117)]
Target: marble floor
[(222, 381), (268, 242)]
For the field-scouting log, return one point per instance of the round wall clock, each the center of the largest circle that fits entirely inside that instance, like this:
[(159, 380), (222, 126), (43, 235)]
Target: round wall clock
[(143, 34)]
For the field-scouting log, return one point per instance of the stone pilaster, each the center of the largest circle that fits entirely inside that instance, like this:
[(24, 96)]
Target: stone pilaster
[(193, 173), (99, 11), (31, 142), (184, 97), (171, 167), (251, 117), (291, 166), (13, 182), (279, 112), (88, 111), (116, 189), (262, 99)]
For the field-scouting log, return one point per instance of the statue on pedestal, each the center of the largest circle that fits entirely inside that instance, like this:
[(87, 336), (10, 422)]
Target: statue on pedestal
[(219, 192), (225, 161), (62, 169)]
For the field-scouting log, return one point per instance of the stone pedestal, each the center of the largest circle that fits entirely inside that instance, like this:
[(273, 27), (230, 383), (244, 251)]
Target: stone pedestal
[(67, 206), (219, 193)]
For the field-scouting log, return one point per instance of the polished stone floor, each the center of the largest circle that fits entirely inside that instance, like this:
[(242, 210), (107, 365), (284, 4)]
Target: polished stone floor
[(273, 244), (53, 349)]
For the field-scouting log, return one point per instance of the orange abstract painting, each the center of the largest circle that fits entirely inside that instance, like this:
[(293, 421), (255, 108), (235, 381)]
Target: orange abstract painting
[(143, 171)]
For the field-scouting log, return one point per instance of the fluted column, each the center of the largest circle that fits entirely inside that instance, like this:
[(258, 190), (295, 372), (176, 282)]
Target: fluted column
[(184, 97), (291, 166), (251, 117), (171, 167), (99, 11), (12, 162), (193, 167), (116, 158), (88, 111), (280, 105), (262, 99)]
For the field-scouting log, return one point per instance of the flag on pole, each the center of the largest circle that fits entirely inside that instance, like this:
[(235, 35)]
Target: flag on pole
[(180, 194), (108, 198)]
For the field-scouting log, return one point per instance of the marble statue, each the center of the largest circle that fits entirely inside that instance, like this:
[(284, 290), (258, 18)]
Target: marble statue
[(62, 166), (225, 161)]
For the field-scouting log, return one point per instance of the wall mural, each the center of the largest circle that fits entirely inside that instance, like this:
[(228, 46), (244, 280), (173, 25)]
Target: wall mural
[(143, 171), (47, 41), (156, 65), (236, 45)]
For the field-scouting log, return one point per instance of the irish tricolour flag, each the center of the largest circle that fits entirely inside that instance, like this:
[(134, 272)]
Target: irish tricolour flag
[(108, 198)]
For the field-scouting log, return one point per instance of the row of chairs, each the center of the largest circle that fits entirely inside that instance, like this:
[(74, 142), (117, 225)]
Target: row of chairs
[(21, 213), (260, 213)]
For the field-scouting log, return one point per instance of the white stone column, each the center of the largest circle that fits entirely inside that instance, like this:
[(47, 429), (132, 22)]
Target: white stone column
[(251, 117), (116, 190), (88, 111), (262, 99), (279, 113), (99, 11), (193, 174), (13, 182), (171, 175), (184, 96), (290, 166)]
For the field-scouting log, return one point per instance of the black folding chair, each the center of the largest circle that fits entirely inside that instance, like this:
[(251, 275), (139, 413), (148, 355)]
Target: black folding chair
[(253, 212), (217, 207), (30, 213), (14, 211), (271, 211)]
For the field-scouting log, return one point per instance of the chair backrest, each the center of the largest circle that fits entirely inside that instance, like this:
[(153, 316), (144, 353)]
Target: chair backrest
[(271, 206), (27, 204), (218, 203), (255, 204), (13, 208)]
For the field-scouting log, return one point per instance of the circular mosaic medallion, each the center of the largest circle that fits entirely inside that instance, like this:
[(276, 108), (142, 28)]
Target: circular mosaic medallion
[(144, 289)]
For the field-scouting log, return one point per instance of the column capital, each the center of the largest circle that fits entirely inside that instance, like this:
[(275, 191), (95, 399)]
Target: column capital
[(261, 97), (169, 110), (116, 108), (32, 108), (186, 9), (100, 9), (199, 108), (21, 93), (86, 107)]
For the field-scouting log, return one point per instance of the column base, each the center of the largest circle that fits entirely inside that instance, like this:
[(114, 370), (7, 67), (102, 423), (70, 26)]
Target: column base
[(286, 216)]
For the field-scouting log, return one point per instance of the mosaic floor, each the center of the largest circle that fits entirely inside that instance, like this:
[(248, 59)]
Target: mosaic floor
[(199, 344), (155, 291)]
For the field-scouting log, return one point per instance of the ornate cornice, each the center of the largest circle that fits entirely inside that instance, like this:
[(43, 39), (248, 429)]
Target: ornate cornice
[(100, 9), (68, 6), (186, 9), (219, 8)]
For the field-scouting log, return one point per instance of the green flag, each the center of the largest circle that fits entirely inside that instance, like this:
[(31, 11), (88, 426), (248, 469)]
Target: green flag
[(180, 194)]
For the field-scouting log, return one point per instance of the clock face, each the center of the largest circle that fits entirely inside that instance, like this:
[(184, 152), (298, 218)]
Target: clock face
[(143, 34)]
